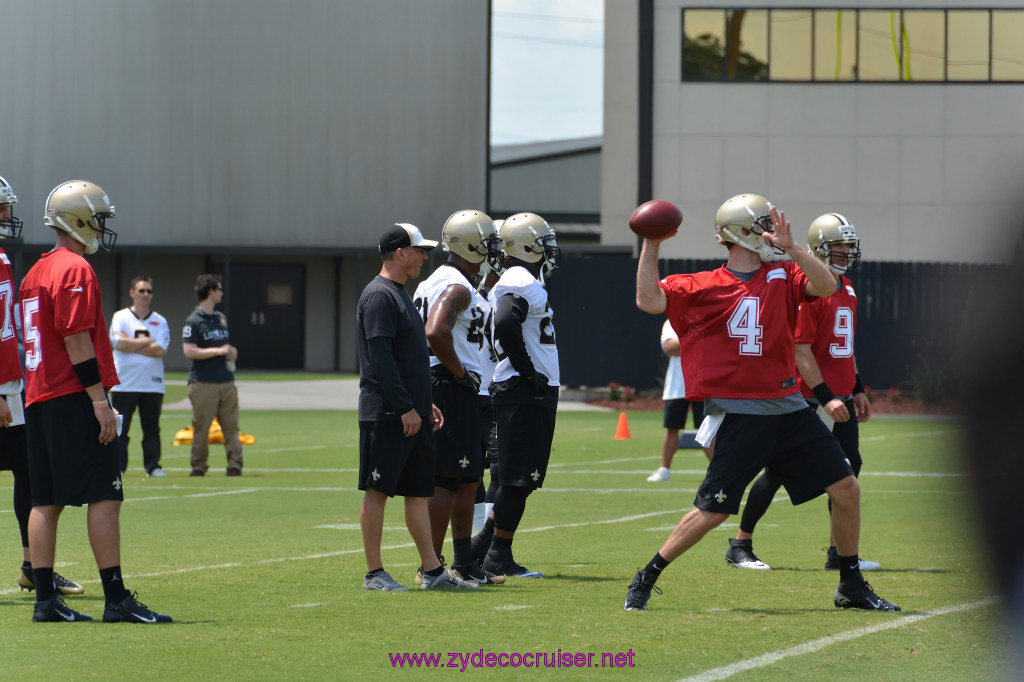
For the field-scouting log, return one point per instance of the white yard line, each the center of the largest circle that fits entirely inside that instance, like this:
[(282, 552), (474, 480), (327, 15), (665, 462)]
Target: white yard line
[(817, 644)]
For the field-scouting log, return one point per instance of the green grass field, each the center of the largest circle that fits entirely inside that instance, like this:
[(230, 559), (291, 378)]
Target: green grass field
[(263, 573)]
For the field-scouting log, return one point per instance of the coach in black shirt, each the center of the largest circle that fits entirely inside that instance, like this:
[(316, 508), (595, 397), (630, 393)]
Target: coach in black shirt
[(396, 416), (211, 377)]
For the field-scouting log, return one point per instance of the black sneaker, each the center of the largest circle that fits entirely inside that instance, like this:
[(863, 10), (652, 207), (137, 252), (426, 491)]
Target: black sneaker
[(54, 610), (741, 555), (131, 610), (639, 592), (858, 595), (480, 548), (509, 569), (473, 571)]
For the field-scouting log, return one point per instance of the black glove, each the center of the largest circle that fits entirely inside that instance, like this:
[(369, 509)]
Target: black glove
[(470, 380), (539, 383)]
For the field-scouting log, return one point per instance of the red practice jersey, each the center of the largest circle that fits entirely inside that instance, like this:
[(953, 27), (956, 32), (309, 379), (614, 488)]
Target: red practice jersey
[(10, 363), (735, 337), (60, 297), (828, 324)]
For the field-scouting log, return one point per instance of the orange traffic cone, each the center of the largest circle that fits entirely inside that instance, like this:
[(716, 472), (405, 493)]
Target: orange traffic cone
[(622, 431)]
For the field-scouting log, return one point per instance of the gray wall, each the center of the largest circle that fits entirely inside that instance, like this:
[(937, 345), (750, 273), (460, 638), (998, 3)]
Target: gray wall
[(561, 184), (248, 122)]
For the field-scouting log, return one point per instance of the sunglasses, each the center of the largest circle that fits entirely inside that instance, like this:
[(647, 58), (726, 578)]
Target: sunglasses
[(144, 291)]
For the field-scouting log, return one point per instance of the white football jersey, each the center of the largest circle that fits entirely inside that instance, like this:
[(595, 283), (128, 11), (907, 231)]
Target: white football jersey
[(467, 334), (675, 386), (488, 356), (538, 329), (139, 373)]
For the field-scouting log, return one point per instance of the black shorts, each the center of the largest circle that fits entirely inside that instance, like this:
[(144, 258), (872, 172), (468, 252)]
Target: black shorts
[(458, 441), (488, 433), (675, 413), (848, 435), (526, 427), (13, 449), (392, 464), (797, 448), (67, 464)]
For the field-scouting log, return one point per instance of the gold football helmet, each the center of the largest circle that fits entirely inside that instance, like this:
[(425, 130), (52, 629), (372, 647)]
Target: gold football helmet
[(827, 231), (81, 209), (744, 220), (471, 234), (9, 226), (529, 238)]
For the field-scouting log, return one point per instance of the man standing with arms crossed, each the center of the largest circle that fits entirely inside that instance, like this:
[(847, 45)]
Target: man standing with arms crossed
[(13, 447), (211, 377), (736, 332), (396, 417), (453, 323), (72, 456), (140, 337), (824, 356)]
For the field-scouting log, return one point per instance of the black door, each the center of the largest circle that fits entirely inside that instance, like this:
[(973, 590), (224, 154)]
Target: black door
[(267, 315)]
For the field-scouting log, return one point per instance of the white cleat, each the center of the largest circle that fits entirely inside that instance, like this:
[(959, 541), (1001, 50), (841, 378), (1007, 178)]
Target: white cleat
[(662, 474)]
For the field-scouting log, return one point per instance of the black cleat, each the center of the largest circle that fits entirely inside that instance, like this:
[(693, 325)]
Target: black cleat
[(131, 610), (639, 592), (63, 585), (509, 569), (54, 610), (741, 555), (473, 571), (860, 596)]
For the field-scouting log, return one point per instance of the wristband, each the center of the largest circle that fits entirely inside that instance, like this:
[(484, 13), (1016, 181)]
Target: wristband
[(858, 387), (98, 404), (88, 372), (823, 393)]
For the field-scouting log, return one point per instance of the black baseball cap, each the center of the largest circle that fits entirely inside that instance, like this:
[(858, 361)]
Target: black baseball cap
[(403, 235)]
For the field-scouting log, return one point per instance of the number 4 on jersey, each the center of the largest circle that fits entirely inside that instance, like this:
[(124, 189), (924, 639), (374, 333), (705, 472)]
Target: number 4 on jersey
[(744, 325)]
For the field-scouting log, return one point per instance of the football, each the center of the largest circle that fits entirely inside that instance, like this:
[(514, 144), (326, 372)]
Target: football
[(655, 219)]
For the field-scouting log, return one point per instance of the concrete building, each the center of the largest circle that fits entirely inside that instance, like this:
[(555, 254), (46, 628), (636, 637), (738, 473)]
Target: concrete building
[(906, 120), (269, 141)]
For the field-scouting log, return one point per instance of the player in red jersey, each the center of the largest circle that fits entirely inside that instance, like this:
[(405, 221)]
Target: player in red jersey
[(13, 447), (828, 377), (736, 334), (73, 457)]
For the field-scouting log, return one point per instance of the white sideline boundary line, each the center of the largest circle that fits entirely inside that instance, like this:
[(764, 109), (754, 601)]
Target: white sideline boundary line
[(817, 644), (344, 552)]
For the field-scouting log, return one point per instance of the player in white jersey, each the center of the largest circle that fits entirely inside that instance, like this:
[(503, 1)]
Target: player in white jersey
[(524, 391), (488, 427), (453, 323)]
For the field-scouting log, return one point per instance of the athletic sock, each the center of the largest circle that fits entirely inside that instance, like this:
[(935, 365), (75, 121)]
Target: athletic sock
[(655, 566), (849, 568), (26, 568), (435, 572), (43, 578), (113, 588), (463, 551), (501, 549), (374, 572), (482, 540)]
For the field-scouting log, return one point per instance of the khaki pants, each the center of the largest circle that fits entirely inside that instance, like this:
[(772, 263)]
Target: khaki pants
[(209, 401)]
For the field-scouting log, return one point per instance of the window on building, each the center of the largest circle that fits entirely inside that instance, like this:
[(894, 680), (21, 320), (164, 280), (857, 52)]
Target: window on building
[(924, 45), (1008, 45), (790, 45), (967, 47)]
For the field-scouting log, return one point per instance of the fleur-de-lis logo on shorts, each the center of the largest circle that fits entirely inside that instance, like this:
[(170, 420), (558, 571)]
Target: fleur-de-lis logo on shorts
[(117, 484), (375, 474), (535, 475), (721, 496), (464, 462)]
